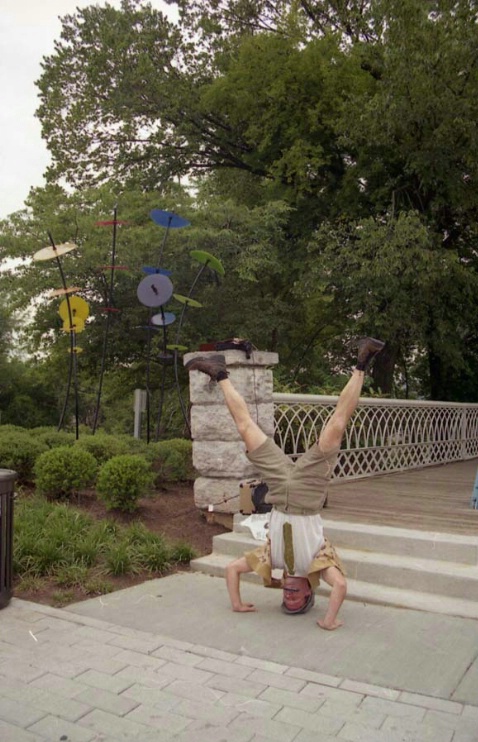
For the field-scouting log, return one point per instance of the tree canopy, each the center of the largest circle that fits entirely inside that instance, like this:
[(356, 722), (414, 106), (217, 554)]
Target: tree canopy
[(328, 153)]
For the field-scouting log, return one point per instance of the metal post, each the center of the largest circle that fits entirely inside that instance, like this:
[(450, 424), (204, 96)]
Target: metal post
[(139, 407), (7, 487)]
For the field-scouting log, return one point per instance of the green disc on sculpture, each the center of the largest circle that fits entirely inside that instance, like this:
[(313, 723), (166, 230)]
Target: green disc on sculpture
[(207, 259), (187, 300), (78, 325), (78, 306), (50, 252), (176, 347)]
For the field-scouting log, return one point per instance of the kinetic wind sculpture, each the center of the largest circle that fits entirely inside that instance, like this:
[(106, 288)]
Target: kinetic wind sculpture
[(155, 291), (109, 307), (73, 312)]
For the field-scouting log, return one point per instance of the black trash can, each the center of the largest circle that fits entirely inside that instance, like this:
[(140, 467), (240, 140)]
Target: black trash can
[(7, 490)]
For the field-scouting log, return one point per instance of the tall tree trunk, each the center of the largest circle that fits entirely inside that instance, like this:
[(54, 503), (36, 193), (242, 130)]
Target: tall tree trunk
[(383, 368), (438, 377)]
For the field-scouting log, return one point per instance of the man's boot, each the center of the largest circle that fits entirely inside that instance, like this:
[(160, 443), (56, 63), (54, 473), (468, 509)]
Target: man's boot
[(367, 350), (214, 366)]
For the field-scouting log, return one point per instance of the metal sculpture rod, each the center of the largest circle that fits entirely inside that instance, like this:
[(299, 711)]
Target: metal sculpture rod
[(180, 323), (73, 367), (109, 301), (165, 238), (163, 376), (148, 377)]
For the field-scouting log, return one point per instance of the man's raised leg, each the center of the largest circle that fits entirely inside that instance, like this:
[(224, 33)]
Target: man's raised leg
[(333, 431), (215, 368)]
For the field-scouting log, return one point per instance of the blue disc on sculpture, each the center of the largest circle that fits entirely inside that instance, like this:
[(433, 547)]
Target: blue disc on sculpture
[(168, 219), (207, 259), (163, 319), (150, 269), (155, 290)]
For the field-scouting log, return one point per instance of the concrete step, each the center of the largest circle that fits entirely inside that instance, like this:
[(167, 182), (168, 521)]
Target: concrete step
[(215, 564), (454, 580), (448, 547)]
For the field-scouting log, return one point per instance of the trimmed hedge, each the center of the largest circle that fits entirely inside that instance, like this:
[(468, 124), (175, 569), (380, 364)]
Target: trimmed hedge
[(123, 480), (172, 460), (63, 471), (19, 451)]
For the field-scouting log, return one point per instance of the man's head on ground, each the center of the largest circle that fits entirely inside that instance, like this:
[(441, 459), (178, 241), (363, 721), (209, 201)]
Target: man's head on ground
[(298, 596)]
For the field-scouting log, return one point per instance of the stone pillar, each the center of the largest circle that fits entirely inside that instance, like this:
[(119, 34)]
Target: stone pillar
[(218, 451)]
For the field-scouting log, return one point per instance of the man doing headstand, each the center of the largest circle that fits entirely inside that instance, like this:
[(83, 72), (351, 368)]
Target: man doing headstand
[(297, 492)]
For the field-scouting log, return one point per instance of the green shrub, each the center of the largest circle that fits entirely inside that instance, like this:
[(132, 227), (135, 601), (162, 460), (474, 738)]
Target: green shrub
[(52, 437), (19, 451), (63, 471), (103, 447), (172, 460), (123, 480), (9, 428)]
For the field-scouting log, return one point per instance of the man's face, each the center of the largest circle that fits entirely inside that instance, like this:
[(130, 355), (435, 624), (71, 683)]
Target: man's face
[(296, 593)]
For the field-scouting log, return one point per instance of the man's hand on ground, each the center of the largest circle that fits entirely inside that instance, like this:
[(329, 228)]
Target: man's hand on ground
[(243, 607)]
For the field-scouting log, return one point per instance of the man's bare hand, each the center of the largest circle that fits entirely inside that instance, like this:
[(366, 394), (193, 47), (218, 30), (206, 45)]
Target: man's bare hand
[(243, 607)]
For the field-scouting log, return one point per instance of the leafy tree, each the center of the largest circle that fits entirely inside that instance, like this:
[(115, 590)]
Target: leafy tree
[(351, 125)]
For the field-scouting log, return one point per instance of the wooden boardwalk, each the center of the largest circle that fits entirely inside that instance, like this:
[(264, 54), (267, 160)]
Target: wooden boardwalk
[(436, 498)]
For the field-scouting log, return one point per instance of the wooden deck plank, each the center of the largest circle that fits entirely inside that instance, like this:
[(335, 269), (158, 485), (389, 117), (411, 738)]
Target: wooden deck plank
[(433, 498)]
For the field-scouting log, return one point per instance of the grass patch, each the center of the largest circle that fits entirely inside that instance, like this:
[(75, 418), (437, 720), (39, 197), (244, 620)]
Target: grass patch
[(56, 542)]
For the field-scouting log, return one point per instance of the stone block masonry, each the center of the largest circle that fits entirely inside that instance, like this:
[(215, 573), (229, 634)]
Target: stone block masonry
[(218, 451)]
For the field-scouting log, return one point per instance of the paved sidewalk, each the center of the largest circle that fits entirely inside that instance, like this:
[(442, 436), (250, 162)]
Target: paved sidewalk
[(68, 676)]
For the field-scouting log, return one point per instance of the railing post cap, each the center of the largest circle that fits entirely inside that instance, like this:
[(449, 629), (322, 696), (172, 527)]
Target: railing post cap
[(238, 357)]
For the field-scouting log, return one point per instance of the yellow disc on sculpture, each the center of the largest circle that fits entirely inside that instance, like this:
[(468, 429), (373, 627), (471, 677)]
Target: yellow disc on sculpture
[(176, 347), (62, 292), (78, 325), (76, 349), (187, 300), (79, 308), (49, 252)]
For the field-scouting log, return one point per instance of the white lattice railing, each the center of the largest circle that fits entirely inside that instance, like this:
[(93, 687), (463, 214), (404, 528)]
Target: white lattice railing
[(384, 435)]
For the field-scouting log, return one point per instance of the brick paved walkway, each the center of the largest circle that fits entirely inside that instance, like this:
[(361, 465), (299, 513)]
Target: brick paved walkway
[(70, 678)]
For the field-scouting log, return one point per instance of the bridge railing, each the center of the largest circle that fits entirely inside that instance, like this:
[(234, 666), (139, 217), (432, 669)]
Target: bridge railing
[(384, 435)]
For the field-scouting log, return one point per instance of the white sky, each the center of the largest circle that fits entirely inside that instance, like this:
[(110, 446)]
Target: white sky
[(28, 29)]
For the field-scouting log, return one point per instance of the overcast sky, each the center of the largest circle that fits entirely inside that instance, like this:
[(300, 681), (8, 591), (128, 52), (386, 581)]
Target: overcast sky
[(28, 29)]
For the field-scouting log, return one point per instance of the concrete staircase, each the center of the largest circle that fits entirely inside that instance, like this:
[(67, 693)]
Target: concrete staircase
[(427, 571)]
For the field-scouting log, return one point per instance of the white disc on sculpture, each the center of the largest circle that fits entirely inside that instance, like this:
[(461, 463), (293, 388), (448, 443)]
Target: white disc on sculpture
[(163, 319), (155, 290), (49, 252)]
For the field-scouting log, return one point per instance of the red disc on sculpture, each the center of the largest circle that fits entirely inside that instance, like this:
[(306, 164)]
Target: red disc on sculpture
[(113, 268), (109, 223), (155, 290)]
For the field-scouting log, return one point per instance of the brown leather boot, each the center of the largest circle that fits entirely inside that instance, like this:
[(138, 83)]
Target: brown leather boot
[(367, 350), (214, 366)]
